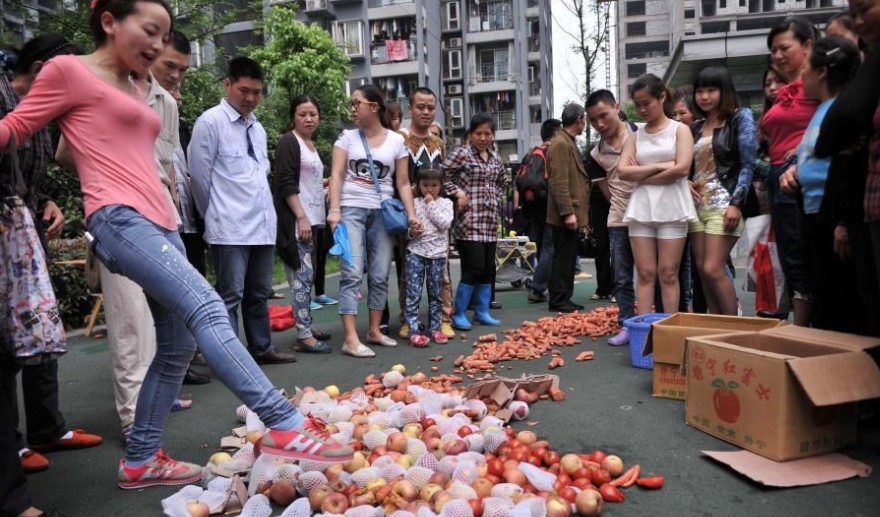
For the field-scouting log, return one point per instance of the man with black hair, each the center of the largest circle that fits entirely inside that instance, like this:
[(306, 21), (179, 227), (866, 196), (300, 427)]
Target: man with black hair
[(535, 211), (229, 167), (426, 149), (568, 205), (603, 113)]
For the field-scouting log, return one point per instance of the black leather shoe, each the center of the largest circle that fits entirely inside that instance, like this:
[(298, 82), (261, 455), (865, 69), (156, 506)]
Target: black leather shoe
[(276, 357), (566, 307), (194, 377), (536, 297)]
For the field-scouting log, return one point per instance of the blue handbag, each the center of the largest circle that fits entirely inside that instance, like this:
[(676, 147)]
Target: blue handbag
[(393, 212)]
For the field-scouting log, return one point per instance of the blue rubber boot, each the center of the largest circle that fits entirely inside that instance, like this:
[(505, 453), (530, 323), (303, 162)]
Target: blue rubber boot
[(459, 313), (482, 297)]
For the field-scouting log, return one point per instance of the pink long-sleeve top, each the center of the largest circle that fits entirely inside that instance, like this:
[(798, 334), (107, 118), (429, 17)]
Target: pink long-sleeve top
[(111, 135)]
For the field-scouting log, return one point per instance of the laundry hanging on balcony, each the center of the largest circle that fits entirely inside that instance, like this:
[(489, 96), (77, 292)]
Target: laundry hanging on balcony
[(396, 50)]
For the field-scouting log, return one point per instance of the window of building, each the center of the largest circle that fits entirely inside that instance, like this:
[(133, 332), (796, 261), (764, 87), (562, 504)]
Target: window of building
[(493, 64), (452, 64), (722, 4), (690, 14), (636, 69), (635, 8), (450, 16), (647, 49), (635, 29), (754, 6), (490, 15), (350, 37), (758, 23), (768, 5), (456, 112), (707, 8), (714, 27)]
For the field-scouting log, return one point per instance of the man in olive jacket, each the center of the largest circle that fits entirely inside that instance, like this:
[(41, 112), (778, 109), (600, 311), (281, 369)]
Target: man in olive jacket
[(568, 205)]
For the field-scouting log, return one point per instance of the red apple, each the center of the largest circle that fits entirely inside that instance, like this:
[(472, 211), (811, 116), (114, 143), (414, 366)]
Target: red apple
[(406, 489), (455, 447), (476, 506), (588, 503), (465, 430), (570, 463), (483, 487), (613, 464), (550, 458), (558, 507), (317, 496), (334, 503), (397, 442), (568, 493)]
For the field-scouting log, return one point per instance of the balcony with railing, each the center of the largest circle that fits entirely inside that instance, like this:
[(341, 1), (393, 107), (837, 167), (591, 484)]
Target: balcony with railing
[(535, 89), (386, 3), (504, 120), (381, 9)]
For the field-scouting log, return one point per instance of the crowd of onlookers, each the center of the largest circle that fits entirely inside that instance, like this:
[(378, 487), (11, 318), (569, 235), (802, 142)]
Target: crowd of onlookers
[(661, 203), (672, 193)]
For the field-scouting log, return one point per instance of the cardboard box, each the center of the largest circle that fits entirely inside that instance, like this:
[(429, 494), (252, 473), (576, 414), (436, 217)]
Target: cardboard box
[(782, 393), (667, 337)]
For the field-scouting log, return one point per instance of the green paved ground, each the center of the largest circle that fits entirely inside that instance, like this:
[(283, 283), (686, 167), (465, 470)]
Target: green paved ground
[(609, 406)]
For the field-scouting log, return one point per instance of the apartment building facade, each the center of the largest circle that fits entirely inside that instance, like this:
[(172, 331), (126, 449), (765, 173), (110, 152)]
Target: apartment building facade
[(675, 39), (490, 56)]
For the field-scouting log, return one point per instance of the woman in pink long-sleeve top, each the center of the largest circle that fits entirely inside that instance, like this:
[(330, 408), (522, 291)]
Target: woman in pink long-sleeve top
[(111, 133)]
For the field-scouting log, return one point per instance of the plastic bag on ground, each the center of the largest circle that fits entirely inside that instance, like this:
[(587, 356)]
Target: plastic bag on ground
[(257, 506), (175, 504), (540, 479), (262, 473)]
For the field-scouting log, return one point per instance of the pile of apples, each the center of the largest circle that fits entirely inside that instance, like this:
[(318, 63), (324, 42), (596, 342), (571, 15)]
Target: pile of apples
[(408, 460)]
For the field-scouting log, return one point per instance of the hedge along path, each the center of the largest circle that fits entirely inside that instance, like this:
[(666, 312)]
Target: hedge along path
[(535, 339)]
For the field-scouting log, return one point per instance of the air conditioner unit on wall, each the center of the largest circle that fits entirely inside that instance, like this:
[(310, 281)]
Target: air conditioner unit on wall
[(454, 42), (454, 89)]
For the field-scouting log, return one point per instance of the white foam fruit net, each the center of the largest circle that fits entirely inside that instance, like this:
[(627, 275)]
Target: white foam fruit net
[(428, 460), (466, 472), (507, 491), (415, 447), (257, 506), (288, 471), (309, 480), (339, 414), (462, 491), (491, 421), (365, 475), (379, 417), (493, 440), (175, 504), (358, 398), (430, 402), (253, 423), (412, 413), (246, 455), (447, 465), (475, 457), (477, 404), (475, 442), (419, 476), (496, 507), (375, 438), (392, 379), (215, 500), (424, 511), (241, 413), (299, 508), (364, 511), (382, 462), (262, 473), (448, 400), (392, 471), (532, 507), (219, 484), (401, 513), (457, 508), (313, 466)]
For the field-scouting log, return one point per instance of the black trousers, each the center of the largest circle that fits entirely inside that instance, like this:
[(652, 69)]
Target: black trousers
[(599, 208), (323, 242), (14, 497), (477, 261), (196, 250), (39, 383), (561, 286)]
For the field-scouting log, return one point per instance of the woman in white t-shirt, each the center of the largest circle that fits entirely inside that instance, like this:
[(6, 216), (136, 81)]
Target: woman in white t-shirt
[(355, 202), (658, 159)]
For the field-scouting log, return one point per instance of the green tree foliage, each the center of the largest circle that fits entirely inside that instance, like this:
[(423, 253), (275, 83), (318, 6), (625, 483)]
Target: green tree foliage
[(301, 59)]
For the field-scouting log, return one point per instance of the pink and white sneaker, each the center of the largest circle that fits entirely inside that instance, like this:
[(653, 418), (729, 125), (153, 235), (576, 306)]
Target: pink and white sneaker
[(311, 442), (162, 470)]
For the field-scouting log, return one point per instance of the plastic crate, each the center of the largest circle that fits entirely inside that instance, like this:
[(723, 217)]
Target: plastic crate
[(638, 327)]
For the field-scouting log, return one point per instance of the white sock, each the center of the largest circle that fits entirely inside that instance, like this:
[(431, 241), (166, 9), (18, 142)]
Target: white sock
[(22, 452), (67, 436)]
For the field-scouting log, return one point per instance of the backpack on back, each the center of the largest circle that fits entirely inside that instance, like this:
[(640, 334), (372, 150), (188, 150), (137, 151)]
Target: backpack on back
[(531, 179)]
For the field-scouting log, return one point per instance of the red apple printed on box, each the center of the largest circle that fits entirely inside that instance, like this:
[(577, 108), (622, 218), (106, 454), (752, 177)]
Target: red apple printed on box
[(726, 400)]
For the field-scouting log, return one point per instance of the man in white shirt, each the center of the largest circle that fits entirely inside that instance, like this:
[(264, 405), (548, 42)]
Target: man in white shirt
[(229, 165)]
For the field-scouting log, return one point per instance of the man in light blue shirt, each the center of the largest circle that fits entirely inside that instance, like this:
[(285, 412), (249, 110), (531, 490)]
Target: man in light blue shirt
[(229, 164)]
